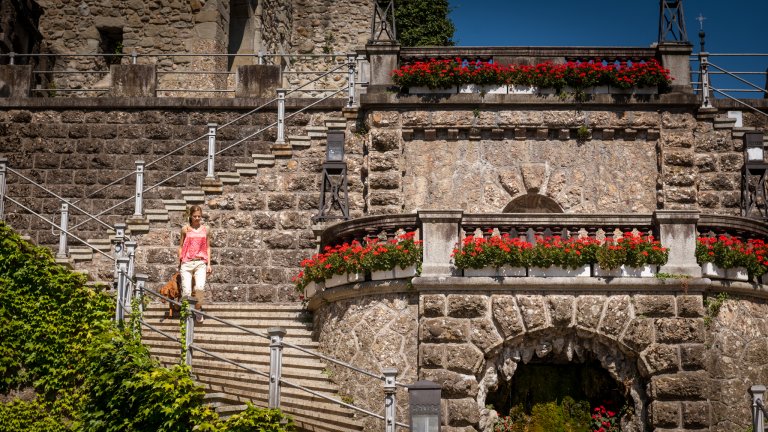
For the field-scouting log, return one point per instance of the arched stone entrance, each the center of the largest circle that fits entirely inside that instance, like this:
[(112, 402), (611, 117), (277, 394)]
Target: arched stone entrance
[(608, 369), (533, 203)]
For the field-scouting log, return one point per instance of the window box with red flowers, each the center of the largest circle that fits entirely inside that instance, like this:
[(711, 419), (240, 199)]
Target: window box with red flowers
[(349, 262), (558, 257), (631, 255), (494, 256), (725, 257), (582, 77)]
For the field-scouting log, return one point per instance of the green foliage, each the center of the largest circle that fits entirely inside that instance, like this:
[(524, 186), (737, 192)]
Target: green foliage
[(89, 375), (568, 416), (713, 306), (423, 23)]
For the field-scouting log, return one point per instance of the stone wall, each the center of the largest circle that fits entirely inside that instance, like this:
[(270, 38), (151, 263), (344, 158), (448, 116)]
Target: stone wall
[(683, 366), (481, 159)]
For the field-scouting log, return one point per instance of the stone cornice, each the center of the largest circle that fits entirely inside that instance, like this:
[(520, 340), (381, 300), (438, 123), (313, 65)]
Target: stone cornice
[(164, 103)]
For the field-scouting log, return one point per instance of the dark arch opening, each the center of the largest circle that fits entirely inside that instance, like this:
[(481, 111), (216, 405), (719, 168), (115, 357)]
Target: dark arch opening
[(533, 203)]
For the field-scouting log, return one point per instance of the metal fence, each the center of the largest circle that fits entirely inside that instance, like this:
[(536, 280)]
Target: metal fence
[(717, 75)]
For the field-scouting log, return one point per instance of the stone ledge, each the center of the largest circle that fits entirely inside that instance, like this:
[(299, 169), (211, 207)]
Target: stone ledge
[(163, 103), (510, 132), (392, 100)]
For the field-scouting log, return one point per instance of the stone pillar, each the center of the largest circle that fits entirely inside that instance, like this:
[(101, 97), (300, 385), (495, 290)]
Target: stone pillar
[(383, 60), (15, 80), (133, 80), (258, 81), (440, 232), (677, 232), (676, 58)]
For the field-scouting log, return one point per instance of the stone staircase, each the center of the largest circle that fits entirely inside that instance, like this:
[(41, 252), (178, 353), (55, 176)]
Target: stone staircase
[(228, 387), (189, 196)]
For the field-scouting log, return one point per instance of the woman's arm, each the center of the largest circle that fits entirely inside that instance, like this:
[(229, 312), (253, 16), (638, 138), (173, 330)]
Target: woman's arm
[(181, 241), (208, 267)]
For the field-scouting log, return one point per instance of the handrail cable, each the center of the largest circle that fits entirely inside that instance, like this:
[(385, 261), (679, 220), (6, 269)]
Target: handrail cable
[(735, 76), (739, 101), (54, 225)]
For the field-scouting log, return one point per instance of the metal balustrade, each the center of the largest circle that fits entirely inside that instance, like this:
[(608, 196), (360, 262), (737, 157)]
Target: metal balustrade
[(716, 80)]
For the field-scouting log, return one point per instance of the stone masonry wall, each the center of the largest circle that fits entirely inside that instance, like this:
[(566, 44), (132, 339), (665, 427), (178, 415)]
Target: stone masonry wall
[(481, 159), (261, 227), (371, 333)]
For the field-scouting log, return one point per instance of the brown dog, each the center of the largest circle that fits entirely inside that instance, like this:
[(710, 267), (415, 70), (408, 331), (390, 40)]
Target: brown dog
[(172, 290)]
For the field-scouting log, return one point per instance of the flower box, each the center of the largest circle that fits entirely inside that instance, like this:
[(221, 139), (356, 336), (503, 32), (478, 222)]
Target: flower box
[(336, 280), (356, 277), (712, 271), (521, 89), (555, 271), (427, 90), (407, 272), (509, 271), (737, 274), (311, 289), (482, 272), (483, 89), (603, 89), (625, 271), (503, 271), (634, 90), (382, 274)]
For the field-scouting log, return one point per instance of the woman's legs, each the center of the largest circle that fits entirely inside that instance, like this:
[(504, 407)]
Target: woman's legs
[(186, 271), (200, 282)]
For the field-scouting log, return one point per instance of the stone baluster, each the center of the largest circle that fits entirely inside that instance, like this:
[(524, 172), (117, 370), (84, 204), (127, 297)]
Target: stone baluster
[(677, 233), (441, 232)]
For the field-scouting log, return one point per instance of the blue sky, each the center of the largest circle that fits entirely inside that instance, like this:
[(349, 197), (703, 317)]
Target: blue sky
[(731, 26)]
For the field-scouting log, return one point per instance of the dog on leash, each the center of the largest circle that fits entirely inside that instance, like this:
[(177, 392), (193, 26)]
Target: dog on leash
[(172, 290)]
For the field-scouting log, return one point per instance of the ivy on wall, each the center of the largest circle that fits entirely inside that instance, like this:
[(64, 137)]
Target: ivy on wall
[(84, 372)]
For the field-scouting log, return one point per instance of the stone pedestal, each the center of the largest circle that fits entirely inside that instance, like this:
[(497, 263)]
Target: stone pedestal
[(258, 81), (440, 232), (133, 80), (677, 232), (383, 60), (676, 58), (15, 80)]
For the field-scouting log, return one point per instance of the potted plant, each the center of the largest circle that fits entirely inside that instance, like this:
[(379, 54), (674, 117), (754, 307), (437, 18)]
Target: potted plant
[(555, 256), (726, 257), (630, 255), (395, 258), (493, 256)]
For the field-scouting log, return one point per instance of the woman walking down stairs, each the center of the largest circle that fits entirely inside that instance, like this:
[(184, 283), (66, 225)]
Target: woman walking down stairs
[(229, 387)]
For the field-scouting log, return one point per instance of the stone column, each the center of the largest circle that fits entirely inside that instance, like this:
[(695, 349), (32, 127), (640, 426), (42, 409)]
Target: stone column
[(15, 80), (676, 58), (260, 81), (133, 80), (677, 232), (440, 232), (383, 60)]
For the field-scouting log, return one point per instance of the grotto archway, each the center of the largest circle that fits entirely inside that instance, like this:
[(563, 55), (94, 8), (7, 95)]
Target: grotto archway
[(594, 368)]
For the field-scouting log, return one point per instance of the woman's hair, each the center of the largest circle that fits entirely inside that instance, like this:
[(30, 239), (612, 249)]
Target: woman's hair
[(191, 210)]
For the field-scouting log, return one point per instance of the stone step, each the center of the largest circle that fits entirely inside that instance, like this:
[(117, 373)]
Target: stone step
[(300, 141), (80, 253), (175, 205), (724, 122), (102, 244), (193, 196), (229, 178), (263, 160), (157, 215), (247, 169), (282, 150), (336, 124), (317, 131)]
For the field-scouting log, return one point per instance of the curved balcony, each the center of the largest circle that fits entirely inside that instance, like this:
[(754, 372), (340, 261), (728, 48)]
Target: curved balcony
[(442, 230)]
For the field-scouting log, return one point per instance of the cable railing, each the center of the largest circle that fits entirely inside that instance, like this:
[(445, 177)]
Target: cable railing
[(85, 74), (721, 81), (277, 344)]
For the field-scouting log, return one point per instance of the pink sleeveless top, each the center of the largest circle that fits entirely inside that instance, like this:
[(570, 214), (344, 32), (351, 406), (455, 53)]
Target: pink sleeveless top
[(195, 245)]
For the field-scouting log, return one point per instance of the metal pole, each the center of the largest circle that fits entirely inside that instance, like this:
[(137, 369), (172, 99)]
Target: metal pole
[(139, 207), (351, 90), (3, 170), (705, 90), (133, 56), (276, 335), (141, 280), (63, 227), (12, 60), (190, 330), (389, 399), (122, 268), (261, 58), (211, 149), (130, 253), (758, 421), (280, 116), (118, 242)]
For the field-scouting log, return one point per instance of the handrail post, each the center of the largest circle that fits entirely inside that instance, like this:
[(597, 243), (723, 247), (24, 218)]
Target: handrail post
[(705, 88), (134, 56), (389, 399), (63, 227), (758, 419), (119, 239), (141, 280), (211, 150), (122, 268), (260, 58), (351, 62), (280, 116), (139, 206), (190, 324), (3, 170), (12, 60), (130, 253), (276, 335)]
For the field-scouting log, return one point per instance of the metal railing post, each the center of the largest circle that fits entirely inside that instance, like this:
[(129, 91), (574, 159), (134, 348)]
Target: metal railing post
[(119, 240), (63, 227), (134, 56), (130, 253), (139, 205), (190, 324), (389, 399), (122, 269), (260, 58), (351, 62), (211, 150), (141, 280), (276, 335), (3, 170), (705, 90), (12, 60), (758, 419), (280, 116)]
